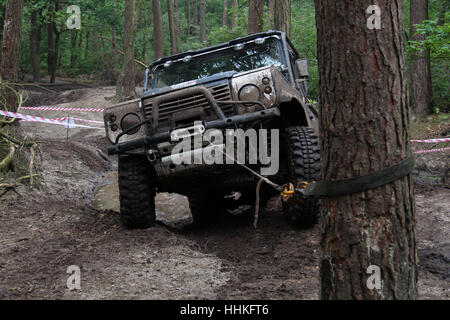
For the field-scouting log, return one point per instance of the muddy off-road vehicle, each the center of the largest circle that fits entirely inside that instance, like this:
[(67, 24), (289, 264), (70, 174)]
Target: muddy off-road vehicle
[(253, 82)]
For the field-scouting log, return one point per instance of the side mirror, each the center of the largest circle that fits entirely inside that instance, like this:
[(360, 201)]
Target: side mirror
[(302, 67)]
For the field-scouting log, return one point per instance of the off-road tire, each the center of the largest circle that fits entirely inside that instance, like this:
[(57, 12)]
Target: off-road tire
[(303, 156), (137, 192)]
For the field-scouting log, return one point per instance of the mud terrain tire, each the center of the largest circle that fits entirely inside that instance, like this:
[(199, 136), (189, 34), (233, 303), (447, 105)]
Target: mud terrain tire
[(137, 193), (303, 155)]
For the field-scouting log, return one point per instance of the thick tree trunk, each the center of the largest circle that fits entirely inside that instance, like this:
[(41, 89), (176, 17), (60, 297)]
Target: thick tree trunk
[(202, 21), (225, 13), (421, 90), (157, 28), (235, 7), (364, 128), (282, 16), (255, 16), (128, 46), (35, 37), (9, 68), (172, 31)]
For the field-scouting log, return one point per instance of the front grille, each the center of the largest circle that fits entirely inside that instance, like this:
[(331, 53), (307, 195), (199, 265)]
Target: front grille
[(220, 92)]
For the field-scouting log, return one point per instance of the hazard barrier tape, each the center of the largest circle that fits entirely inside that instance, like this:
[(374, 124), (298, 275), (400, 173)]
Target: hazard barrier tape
[(82, 120), (433, 140), (63, 109), (68, 123), (432, 150)]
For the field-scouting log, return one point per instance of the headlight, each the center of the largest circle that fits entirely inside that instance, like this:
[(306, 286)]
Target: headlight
[(249, 92), (129, 121)]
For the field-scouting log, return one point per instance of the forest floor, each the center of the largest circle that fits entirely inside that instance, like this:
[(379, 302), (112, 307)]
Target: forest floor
[(72, 219)]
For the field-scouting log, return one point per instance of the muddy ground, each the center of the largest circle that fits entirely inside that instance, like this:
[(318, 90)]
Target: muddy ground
[(72, 219)]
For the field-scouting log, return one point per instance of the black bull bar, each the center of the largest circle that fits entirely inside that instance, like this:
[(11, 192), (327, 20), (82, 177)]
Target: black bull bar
[(221, 123)]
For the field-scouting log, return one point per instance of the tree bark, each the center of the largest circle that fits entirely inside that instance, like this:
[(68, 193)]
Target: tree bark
[(225, 13), (364, 128), (157, 28), (421, 90), (202, 21), (255, 16), (9, 67), (235, 7), (128, 60), (282, 16), (35, 37)]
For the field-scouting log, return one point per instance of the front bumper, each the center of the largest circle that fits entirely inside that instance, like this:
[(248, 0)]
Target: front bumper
[(222, 123)]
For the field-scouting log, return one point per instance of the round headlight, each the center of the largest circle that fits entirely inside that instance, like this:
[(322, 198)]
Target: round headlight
[(249, 92), (129, 121)]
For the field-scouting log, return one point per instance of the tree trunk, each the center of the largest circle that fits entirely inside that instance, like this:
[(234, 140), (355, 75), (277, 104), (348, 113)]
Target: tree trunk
[(271, 13), (157, 28), (188, 18), (35, 36), (172, 32), (235, 7), (421, 91), (51, 51), (364, 128), (195, 17), (282, 16), (86, 48), (176, 18), (255, 16), (225, 13), (9, 68), (73, 51), (202, 21), (128, 48)]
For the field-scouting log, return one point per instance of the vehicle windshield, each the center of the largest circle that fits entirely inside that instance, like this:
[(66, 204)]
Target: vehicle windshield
[(251, 56)]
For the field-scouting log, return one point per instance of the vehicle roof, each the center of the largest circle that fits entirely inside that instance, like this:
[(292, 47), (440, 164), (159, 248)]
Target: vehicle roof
[(222, 45)]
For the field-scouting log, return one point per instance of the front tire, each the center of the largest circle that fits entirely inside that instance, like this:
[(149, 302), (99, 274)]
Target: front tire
[(303, 155), (137, 192)]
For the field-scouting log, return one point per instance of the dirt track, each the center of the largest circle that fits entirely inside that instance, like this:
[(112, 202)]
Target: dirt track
[(48, 229)]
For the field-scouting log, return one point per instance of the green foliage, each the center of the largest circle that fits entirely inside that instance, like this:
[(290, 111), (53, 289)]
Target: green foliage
[(436, 39)]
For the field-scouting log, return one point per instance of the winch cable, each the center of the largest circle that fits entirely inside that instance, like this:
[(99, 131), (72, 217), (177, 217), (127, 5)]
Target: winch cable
[(281, 189), (329, 188)]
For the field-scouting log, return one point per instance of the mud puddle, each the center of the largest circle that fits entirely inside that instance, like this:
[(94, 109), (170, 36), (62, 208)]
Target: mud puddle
[(171, 209)]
